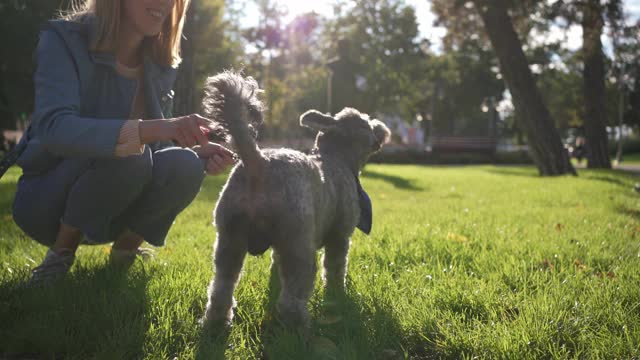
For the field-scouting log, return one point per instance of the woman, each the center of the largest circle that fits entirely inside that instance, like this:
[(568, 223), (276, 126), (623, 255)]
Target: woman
[(93, 171)]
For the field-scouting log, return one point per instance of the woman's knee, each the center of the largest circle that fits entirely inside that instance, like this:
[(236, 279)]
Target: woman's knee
[(183, 168), (38, 219), (138, 168)]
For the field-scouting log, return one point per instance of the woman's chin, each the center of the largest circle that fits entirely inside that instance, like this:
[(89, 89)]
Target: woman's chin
[(151, 32)]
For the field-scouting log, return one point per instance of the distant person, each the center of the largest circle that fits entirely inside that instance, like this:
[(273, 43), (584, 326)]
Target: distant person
[(98, 162), (580, 151)]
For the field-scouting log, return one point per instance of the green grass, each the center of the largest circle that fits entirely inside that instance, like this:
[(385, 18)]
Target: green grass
[(494, 262), (630, 159)]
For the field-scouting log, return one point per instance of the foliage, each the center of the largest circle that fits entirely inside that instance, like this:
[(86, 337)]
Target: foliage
[(207, 48), (215, 49), (400, 73), (493, 262), (19, 28), (557, 70), (383, 41), (292, 72), (462, 82)]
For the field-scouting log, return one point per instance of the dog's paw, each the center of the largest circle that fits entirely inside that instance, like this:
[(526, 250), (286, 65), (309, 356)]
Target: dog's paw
[(216, 320), (293, 315), (337, 290)]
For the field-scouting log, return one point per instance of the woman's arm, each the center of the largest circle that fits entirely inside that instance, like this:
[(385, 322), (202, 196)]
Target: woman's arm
[(56, 120)]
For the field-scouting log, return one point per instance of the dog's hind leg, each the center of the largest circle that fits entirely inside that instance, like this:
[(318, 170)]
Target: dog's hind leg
[(334, 261), (230, 251), (297, 265)]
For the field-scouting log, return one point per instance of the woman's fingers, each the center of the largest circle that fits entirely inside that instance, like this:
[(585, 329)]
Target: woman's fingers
[(219, 161), (178, 136), (217, 164), (203, 121), (224, 155), (197, 127), (213, 167), (191, 130), (210, 149)]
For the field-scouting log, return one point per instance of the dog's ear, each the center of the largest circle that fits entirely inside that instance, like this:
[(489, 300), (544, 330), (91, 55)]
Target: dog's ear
[(316, 120), (381, 132)]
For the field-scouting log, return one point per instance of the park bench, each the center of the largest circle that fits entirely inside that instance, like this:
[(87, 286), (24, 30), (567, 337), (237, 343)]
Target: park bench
[(451, 144)]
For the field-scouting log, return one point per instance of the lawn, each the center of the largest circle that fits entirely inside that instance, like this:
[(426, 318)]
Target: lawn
[(484, 261), (630, 159)]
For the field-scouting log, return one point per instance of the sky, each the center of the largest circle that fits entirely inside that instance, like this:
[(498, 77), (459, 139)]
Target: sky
[(425, 20)]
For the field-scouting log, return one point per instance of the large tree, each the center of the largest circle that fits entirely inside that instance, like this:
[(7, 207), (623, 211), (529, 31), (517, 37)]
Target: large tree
[(594, 85), (592, 16), (545, 144)]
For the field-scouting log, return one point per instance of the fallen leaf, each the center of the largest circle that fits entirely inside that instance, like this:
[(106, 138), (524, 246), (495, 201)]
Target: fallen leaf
[(579, 265), (456, 237), (547, 265), (610, 274)]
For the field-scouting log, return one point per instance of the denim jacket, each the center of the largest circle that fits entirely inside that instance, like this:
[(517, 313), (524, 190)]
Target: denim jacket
[(81, 102)]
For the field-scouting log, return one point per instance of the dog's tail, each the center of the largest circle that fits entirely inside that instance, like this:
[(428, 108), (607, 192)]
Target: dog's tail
[(232, 100)]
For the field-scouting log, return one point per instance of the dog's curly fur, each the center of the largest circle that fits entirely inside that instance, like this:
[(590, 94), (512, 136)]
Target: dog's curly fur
[(284, 199)]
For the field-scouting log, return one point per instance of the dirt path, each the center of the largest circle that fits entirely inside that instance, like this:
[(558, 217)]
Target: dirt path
[(634, 168), (631, 168)]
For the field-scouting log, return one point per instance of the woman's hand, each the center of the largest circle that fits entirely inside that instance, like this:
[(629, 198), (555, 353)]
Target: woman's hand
[(186, 131), (218, 157)]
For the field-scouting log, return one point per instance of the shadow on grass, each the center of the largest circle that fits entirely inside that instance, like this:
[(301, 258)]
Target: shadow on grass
[(615, 177), (212, 344), (93, 313), (634, 213), (396, 181), (609, 176), (514, 171), (347, 326)]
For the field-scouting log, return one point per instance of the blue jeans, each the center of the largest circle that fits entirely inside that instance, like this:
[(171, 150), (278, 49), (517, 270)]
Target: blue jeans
[(104, 197)]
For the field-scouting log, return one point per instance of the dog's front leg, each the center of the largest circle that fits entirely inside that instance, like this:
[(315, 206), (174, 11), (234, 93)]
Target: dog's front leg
[(228, 259)]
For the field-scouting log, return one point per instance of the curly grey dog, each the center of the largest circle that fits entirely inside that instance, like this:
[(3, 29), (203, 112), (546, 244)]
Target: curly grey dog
[(284, 199)]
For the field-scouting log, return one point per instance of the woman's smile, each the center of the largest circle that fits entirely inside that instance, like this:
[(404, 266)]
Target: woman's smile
[(147, 16), (156, 14)]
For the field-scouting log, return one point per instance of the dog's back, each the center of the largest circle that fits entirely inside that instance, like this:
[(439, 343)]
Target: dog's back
[(294, 192), (273, 192)]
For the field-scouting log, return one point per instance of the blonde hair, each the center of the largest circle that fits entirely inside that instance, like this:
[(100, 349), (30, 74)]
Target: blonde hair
[(164, 47)]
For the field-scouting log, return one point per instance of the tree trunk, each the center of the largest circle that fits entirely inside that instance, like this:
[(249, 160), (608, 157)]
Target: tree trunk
[(544, 141), (594, 88), (185, 102)]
